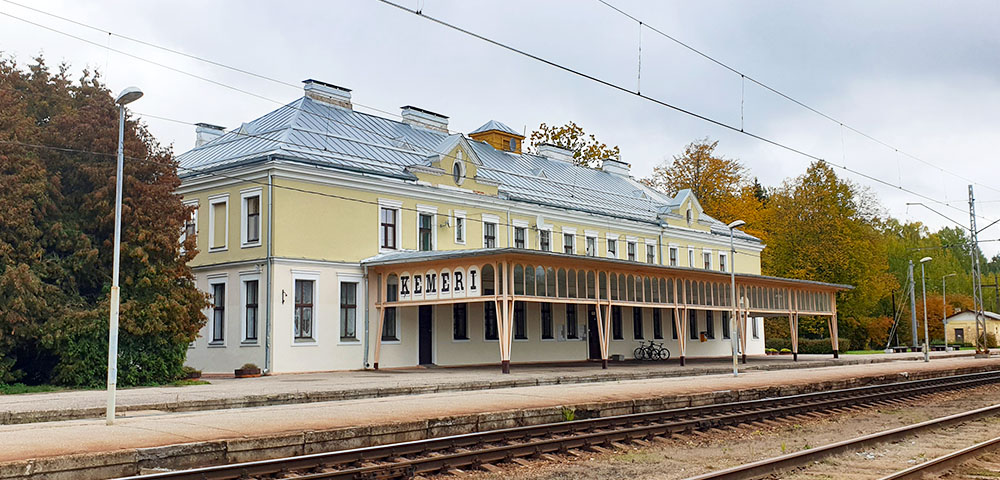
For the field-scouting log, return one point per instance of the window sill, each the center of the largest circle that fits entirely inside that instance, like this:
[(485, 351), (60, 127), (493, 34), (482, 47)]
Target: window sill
[(250, 245), (217, 249), (491, 340), (394, 341), (304, 343), (216, 345), (548, 340), (349, 341), (522, 339), (250, 343), (460, 340)]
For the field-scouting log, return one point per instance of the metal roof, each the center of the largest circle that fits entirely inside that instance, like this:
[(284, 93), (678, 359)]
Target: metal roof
[(495, 125), (411, 256), (311, 131)]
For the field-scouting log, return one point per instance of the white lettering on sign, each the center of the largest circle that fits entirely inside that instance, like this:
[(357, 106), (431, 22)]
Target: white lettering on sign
[(439, 284)]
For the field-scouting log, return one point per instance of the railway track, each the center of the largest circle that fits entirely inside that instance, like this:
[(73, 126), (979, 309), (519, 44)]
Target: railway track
[(476, 450), (952, 464)]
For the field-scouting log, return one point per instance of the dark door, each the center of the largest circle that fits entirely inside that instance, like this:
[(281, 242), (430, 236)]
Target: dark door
[(959, 335), (426, 321), (593, 338)]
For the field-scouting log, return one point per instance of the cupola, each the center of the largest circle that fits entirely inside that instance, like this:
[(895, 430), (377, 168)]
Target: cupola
[(500, 136)]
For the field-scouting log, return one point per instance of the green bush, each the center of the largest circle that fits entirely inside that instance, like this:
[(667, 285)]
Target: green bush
[(808, 345)]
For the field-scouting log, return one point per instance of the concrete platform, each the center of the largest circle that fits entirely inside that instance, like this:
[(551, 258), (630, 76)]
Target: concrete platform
[(90, 449), (225, 393)]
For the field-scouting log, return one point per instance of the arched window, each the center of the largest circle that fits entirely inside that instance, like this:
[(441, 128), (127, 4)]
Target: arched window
[(550, 282), (571, 282), (603, 286), (562, 282), (690, 216), (488, 279), (614, 287), (518, 279), (529, 280)]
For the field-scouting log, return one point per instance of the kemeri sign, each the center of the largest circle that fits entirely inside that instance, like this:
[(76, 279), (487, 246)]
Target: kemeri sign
[(439, 284)]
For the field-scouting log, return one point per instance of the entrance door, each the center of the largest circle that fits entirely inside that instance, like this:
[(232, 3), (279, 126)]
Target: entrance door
[(593, 337), (425, 329), (959, 335)]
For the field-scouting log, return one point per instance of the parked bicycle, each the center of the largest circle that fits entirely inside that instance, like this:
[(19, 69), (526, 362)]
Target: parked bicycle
[(652, 351)]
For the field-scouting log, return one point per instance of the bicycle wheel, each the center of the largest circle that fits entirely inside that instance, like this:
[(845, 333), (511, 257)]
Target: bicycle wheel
[(639, 353), (664, 354)]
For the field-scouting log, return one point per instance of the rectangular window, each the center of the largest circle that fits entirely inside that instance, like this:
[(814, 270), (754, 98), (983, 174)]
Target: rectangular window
[(387, 227), (722, 262), (519, 235), (691, 257), (673, 256), (304, 309), (616, 323), (657, 325), (754, 327), (490, 321), (546, 321), (571, 328), (631, 251), (460, 321), (348, 310), (709, 325), (636, 323), (568, 242), (725, 325), (708, 260), (612, 248), (390, 331), (252, 208), (489, 235), (218, 224), (218, 313), (250, 310), (650, 254), (425, 232), (591, 246), (520, 321), (673, 324), (459, 229), (693, 324), (545, 241), (191, 224)]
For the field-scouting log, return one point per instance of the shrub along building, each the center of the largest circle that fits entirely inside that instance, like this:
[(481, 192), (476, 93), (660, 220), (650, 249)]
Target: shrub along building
[(332, 239)]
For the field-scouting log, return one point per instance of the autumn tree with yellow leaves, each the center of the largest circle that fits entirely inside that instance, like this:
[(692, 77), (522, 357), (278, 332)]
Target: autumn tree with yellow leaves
[(587, 150)]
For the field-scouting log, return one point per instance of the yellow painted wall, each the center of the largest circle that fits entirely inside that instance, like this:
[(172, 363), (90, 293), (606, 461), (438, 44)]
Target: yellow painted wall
[(992, 327), (234, 250)]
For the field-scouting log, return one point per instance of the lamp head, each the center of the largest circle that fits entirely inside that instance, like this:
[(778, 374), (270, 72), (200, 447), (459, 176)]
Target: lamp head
[(925, 259), (950, 275), (737, 224), (129, 95)]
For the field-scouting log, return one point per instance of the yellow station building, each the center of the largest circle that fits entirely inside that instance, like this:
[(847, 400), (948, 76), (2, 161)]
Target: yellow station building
[(331, 239)]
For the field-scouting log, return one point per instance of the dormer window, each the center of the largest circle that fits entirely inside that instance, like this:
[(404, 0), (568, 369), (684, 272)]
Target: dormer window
[(690, 217)]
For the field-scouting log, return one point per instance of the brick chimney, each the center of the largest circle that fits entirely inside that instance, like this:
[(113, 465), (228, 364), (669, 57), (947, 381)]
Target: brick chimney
[(420, 118), (206, 132), (328, 93)]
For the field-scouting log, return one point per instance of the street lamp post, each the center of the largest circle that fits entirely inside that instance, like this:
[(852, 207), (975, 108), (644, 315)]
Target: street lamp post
[(127, 96), (944, 310), (923, 285), (732, 286)]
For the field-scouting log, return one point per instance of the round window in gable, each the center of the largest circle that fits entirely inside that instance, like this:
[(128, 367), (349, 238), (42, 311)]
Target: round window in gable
[(456, 172)]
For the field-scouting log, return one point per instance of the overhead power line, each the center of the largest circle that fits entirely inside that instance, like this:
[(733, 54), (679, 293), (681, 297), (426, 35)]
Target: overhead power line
[(535, 57), (788, 97), (657, 101)]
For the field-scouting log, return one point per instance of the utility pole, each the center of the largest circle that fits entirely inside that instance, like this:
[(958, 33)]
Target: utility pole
[(913, 306), (996, 290), (977, 282)]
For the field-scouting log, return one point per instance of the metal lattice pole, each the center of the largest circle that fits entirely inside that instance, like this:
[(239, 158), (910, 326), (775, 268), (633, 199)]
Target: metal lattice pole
[(977, 282)]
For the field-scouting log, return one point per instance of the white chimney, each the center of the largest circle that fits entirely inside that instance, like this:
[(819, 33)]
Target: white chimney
[(615, 167), (328, 93), (555, 152), (420, 118), (206, 132)]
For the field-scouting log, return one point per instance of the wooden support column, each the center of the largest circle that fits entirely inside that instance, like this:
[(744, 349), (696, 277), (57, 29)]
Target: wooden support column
[(743, 317), (378, 334), (834, 336), (503, 320), (681, 323), (602, 335), (680, 294), (794, 319)]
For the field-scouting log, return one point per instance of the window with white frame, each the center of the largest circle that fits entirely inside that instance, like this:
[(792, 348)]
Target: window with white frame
[(568, 240), (591, 246), (489, 235), (303, 326), (218, 222), (348, 311), (250, 220), (545, 240), (631, 251), (389, 224), (673, 256), (722, 262), (460, 227), (707, 257), (251, 309), (190, 229), (425, 231), (612, 248), (691, 258), (390, 332), (650, 253), (520, 237), (754, 328), (218, 314)]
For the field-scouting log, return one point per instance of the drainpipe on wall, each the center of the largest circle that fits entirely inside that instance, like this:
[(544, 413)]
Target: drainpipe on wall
[(270, 266), (367, 303)]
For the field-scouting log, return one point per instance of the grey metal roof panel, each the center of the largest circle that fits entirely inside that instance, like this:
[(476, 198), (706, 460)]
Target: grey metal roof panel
[(496, 125), (323, 134)]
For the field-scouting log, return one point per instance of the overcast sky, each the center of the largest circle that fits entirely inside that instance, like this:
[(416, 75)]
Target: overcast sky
[(922, 76)]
